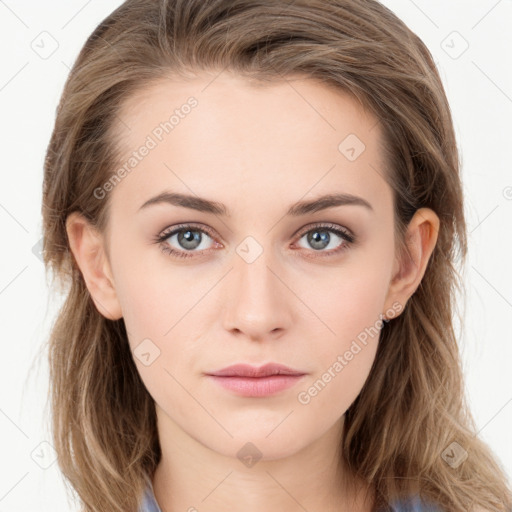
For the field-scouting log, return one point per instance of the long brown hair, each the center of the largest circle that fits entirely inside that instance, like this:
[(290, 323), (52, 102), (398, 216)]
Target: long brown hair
[(412, 408)]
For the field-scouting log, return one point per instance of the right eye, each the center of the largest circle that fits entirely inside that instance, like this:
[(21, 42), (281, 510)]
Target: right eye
[(187, 239)]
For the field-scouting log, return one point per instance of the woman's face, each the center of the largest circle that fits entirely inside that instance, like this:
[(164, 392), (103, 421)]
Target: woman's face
[(256, 275)]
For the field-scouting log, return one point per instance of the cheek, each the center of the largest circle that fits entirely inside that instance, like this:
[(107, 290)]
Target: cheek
[(164, 313), (350, 306), (145, 311), (147, 304), (344, 359), (150, 295)]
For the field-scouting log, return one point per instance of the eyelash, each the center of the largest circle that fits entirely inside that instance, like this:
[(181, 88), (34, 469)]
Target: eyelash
[(333, 228)]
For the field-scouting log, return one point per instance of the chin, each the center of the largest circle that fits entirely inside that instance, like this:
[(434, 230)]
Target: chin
[(263, 441)]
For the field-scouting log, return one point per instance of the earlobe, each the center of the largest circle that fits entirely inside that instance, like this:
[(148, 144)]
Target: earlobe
[(421, 238), (88, 248)]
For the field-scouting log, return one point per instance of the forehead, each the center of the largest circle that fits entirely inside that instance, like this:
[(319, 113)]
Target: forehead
[(216, 133)]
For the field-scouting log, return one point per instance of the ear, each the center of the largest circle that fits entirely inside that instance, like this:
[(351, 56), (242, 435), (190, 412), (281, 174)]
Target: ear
[(89, 251), (421, 238)]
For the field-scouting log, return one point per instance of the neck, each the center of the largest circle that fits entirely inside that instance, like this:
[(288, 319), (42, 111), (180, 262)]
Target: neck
[(192, 477)]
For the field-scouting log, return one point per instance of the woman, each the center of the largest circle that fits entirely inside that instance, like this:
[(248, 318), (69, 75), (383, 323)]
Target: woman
[(257, 207)]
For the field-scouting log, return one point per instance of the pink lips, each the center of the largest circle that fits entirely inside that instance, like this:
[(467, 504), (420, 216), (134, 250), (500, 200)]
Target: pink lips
[(251, 381)]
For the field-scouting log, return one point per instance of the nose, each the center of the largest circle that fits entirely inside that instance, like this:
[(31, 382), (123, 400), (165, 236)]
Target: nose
[(258, 301)]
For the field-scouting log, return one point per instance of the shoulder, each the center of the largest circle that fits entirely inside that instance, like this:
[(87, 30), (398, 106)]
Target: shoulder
[(149, 503), (415, 504)]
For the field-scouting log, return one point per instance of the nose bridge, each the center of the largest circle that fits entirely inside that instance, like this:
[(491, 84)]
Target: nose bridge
[(257, 303)]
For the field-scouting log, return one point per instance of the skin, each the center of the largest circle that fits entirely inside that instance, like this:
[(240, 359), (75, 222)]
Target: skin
[(258, 150)]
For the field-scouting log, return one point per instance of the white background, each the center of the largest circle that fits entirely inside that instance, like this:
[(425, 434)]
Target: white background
[(479, 87)]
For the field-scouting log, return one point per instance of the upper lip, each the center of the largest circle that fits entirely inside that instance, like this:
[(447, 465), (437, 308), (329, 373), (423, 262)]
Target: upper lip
[(246, 370)]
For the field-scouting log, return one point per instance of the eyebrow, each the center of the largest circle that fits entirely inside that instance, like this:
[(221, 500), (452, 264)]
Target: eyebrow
[(296, 210)]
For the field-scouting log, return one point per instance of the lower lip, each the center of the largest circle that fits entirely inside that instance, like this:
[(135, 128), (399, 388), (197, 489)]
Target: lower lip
[(257, 386)]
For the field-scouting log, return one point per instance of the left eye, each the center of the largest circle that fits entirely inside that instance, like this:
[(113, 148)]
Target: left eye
[(322, 238)]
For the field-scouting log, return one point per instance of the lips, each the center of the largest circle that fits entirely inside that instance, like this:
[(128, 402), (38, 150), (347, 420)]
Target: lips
[(256, 382), (246, 370)]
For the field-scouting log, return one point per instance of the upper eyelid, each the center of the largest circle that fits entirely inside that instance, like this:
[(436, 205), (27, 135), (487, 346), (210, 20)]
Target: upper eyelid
[(179, 227), (324, 225)]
